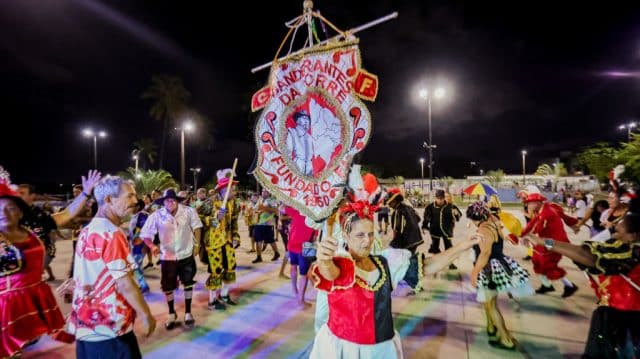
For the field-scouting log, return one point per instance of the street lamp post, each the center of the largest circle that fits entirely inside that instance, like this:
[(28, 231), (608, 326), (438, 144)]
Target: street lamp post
[(425, 94), (628, 127), (186, 127), (422, 175), (90, 133), (135, 155), (524, 166), (135, 158), (195, 172)]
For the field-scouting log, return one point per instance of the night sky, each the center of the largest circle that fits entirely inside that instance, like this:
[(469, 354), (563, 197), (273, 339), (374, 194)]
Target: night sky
[(532, 76)]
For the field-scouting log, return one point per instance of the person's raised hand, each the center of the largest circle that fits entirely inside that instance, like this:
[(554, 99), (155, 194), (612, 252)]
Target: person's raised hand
[(90, 181), (327, 249)]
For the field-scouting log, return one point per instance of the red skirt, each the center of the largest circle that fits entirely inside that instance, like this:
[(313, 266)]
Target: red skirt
[(25, 315)]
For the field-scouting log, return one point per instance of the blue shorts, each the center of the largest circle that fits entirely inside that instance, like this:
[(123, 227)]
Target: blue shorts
[(124, 346), (296, 259)]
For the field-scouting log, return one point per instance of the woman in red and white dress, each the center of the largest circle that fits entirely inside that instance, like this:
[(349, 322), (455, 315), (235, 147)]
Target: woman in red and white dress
[(359, 287), (28, 308)]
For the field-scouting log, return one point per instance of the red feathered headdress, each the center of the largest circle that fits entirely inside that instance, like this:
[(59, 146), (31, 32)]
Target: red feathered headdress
[(362, 209)]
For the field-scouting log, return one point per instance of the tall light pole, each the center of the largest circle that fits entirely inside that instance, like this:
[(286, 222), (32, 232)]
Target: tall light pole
[(186, 127), (524, 166), (425, 94), (135, 155), (628, 127), (90, 133), (135, 158), (195, 172), (422, 175)]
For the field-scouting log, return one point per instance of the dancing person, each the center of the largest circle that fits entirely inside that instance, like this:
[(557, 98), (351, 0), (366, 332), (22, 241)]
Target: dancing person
[(218, 242), (178, 226), (300, 233), (613, 268), (263, 230), (404, 222), (495, 273), (439, 219), (359, 286), (106, 298), (617, 208), (29, 308), (548, 221), (137, 246)]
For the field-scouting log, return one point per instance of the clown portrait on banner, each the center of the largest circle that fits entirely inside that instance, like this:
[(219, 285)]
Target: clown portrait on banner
[(312, 124)]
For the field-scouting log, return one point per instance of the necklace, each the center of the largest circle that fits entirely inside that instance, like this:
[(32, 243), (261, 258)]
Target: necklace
[(379, 283)]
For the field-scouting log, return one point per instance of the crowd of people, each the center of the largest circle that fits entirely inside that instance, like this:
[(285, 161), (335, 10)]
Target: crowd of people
[(114, 229)]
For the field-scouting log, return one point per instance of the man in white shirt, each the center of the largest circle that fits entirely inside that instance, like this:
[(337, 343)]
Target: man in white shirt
[(178, 226)]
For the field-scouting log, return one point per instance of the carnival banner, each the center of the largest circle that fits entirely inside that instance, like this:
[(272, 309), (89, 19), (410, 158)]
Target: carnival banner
[(312, 125)]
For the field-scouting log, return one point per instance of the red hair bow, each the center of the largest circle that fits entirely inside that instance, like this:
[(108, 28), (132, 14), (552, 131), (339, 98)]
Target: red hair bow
[(363, 209)]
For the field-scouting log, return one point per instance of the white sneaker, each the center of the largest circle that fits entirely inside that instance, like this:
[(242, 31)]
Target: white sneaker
[(188, 320), (171, 321)]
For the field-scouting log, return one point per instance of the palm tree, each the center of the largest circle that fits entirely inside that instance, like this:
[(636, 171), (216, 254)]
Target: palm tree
[(170, 98), (148, 181), (448, 181), (146, 149), (544, 170), (495, 177)]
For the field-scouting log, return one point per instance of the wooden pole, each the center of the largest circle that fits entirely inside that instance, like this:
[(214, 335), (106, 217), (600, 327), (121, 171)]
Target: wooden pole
[(233, 173), (337, 37)]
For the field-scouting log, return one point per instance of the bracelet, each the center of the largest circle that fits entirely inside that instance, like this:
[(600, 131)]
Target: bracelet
[(86, 195)]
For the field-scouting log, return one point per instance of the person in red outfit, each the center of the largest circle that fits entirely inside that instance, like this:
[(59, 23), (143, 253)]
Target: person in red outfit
[(359, 286), (613, 268), (548, 222), (28, 308)]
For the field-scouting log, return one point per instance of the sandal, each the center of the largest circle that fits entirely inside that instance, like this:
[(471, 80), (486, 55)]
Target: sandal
[(500, 345), (493, 335)]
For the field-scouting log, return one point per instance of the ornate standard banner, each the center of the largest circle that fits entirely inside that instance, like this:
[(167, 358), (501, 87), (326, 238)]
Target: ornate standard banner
[(312, 125)]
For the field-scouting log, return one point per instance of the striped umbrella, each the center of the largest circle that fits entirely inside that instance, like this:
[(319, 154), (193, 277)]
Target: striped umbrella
[(479, 188)]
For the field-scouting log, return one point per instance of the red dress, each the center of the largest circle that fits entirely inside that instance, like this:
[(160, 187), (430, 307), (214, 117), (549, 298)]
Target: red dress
[(28, 308), (548, 223)]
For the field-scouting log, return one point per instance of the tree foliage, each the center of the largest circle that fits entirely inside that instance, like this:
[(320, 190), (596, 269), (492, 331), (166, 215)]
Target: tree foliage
[(544, 170), (147, 181), (170, 98), (598, 160), (146, 151), (448, 181), (629, 156), (494, 177)]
